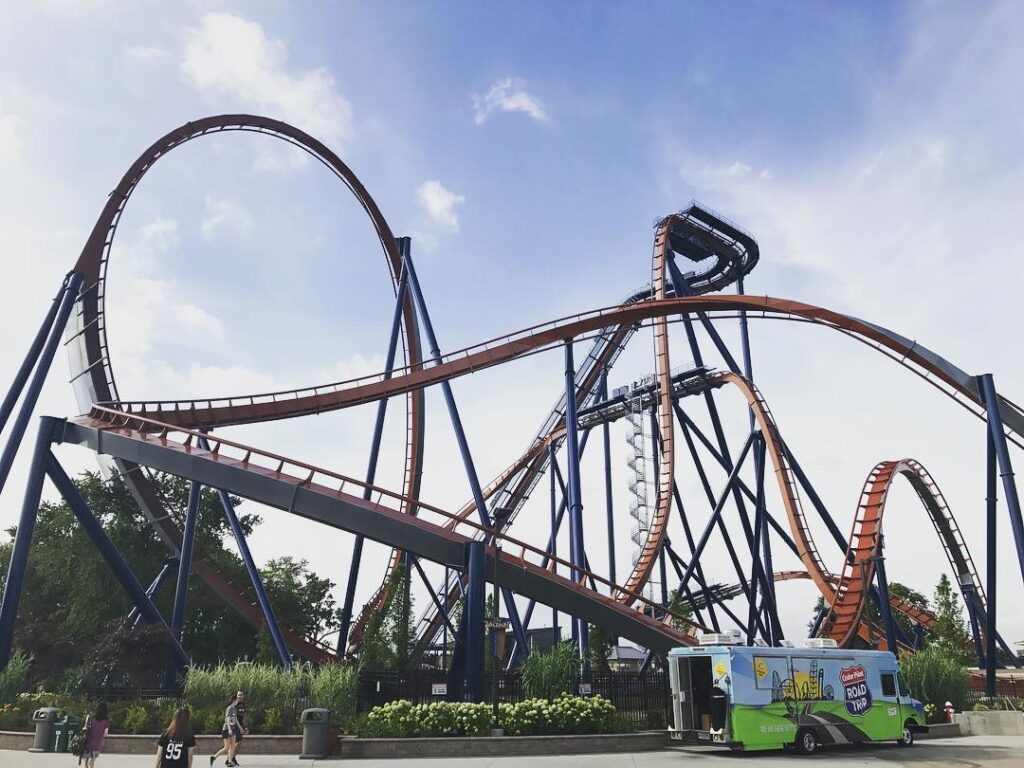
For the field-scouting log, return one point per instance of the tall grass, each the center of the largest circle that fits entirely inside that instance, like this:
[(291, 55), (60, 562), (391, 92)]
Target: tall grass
[(936, 675), (549, 675), (331, 686), (14, 677)]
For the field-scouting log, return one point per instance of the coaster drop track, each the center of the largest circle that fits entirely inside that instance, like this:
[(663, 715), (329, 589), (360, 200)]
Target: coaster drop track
[(171, 435)]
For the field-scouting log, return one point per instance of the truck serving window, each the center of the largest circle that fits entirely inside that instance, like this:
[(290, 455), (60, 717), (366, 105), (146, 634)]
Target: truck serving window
[(888, 684)]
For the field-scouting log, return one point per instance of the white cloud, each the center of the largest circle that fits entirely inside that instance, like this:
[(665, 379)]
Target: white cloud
[(227, 54), (11, 145), (144, 53), (224, 215), (508, 95), (440, 203)]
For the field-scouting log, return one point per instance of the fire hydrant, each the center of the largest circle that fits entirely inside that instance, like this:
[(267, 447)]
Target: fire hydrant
[(949, 712)]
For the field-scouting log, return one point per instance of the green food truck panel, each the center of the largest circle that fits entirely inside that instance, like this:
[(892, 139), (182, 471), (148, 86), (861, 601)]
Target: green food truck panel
[(760, 698)]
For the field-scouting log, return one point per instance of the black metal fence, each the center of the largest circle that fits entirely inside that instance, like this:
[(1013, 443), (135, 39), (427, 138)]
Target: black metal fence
[(643, 701)]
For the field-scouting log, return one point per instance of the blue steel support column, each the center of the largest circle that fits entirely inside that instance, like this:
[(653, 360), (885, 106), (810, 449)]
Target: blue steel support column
[(572, 446), (995, 428), (883, 597), (967, 587), (475, 604), (134, 616), (36, 385), (23, 537), (609, 511), (405, 247), (552, 541), (371, 469), (755, 549), (991, 527), (252, 571), (185, 562), (699, 573), (30, 358), (108, 550)]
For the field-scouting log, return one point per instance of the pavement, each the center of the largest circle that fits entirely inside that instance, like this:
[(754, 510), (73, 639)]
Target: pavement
[(973, 751)]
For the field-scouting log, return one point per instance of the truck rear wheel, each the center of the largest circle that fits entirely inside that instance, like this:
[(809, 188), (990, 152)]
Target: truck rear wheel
[(806, 741), (907, 739)]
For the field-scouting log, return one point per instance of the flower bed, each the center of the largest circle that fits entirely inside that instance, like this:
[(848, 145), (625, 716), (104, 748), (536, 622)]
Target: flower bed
[(566, 715)]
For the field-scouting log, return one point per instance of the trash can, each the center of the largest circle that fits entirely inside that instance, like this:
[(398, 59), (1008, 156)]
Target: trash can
[(719, 708), (315, 725), (63, 731), (45, 718)]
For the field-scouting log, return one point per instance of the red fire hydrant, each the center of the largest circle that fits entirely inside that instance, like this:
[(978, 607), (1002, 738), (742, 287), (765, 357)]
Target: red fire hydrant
[(949, 712)]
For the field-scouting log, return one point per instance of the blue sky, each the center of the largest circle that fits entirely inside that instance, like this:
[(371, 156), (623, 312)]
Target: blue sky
[(872, 149)]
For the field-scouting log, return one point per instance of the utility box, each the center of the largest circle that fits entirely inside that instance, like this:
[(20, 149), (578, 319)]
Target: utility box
[(316, 734), (45, 719)]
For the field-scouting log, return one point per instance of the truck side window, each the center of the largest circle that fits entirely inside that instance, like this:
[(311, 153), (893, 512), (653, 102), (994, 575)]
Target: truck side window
[(888, 684), (904, 688)]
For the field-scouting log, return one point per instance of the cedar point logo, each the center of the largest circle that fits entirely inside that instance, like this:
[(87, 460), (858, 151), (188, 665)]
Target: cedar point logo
[(850, 675), (855, 687)]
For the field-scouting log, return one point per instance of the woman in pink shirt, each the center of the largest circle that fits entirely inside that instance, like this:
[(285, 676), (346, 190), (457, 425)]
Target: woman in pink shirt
[(97, 726)]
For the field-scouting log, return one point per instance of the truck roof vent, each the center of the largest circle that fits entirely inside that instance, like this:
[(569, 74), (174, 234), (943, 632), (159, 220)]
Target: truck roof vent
[(719, 638), (821, 642)]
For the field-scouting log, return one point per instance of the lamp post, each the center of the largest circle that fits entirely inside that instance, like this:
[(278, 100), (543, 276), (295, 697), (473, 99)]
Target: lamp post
[(499, 516)]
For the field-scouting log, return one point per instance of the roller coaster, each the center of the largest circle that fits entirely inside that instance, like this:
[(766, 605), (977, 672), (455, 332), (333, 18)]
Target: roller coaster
[(697, 255)]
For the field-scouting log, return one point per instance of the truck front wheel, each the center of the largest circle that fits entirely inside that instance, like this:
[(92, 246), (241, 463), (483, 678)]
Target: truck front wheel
[(806, 741), (907, 739)]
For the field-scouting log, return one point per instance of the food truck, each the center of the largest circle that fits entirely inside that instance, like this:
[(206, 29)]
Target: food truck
[(753, 698)]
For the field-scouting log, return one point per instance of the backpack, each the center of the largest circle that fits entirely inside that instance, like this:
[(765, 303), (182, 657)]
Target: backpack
[(77, 744)]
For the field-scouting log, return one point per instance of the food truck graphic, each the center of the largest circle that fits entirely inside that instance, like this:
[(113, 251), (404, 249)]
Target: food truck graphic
[(767, 698)]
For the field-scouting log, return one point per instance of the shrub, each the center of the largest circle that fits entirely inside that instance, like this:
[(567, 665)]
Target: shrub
[(936, 675), (14, 677), (533, 717), (333, 687), (136, 718), (552, 674)]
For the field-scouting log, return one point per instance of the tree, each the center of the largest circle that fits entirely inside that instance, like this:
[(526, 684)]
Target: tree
[(71, 603), (399, 624), (874, 617), (600, 650), (950, 628)]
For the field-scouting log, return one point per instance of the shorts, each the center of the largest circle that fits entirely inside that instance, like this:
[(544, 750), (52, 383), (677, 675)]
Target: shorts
[(91, 753), (236, 732)]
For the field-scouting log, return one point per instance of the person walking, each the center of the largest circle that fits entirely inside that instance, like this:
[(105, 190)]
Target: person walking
[(97, 726), (242, 729), (227, 732), (177, 744)]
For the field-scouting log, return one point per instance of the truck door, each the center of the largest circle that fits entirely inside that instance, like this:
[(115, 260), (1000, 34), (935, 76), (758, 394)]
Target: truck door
[(893, 708)]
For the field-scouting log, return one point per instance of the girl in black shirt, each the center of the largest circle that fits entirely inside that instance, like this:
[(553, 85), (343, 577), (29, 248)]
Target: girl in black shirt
[(177, 743)]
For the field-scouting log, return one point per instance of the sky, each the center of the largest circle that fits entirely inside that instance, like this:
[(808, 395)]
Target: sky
[(527, 148)]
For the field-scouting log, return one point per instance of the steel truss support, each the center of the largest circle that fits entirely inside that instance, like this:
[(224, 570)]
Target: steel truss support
[(697, 574), (252, 571), (467, 670), (371, 469), (884, 606), (556, 519), (609, 506), (185, 560), (134, 617), (995, 428), (41, 356), (577, 556), (48, 433), (107, 549), (405, 248)]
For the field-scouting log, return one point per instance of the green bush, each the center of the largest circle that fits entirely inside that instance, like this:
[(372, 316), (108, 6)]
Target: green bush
[(333, 687), (533, 717), (936, 675), (136, 718), (14, 677), (402, 719), (552, 674)]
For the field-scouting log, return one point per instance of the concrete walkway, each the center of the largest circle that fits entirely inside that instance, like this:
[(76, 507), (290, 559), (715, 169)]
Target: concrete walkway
[(981, 751)]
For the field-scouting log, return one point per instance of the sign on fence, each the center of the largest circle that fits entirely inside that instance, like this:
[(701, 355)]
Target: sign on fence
[(585, 689), (439, 689)]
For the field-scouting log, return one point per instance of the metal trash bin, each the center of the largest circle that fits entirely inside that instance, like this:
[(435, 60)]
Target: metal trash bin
[(63, 731), (315, 726), (45, 719)]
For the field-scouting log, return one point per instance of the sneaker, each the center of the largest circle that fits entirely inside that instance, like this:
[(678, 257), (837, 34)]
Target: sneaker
[(212, 759)]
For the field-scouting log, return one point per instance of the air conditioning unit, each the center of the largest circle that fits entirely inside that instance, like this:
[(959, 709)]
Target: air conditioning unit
[(786, 644), (821, 642), (718, 638)]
